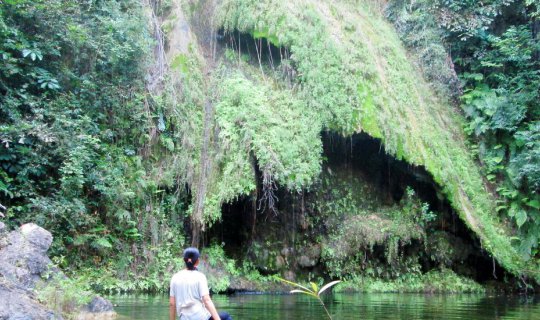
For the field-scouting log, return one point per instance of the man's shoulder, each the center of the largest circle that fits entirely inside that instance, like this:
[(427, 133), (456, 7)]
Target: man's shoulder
[(177, 275), (188, 274)]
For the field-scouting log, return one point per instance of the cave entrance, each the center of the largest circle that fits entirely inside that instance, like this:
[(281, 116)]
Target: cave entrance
[(259, 50), (360, 155), (235, 228), (246, 227)]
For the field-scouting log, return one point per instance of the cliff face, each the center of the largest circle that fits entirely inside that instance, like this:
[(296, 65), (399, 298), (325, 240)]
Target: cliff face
[(268, 77), (299, 134)]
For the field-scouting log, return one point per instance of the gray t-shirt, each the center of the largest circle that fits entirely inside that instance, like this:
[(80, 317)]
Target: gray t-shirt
[(188, 287)]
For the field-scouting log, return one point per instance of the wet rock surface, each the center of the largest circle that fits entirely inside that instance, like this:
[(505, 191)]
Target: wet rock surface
[(24, 263)]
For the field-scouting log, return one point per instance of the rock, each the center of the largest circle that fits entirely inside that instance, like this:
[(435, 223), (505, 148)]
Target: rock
[(23, 260), (289, 275), (24, 263), (306, 262), (98, 304), (280, 262), (18, 304), (3, 233), (309, 256), (40, 238), (286, 252), (98, 308)]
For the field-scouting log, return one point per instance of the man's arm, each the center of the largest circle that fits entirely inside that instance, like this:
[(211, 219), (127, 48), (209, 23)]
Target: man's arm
[(210, 307), (172, 308)]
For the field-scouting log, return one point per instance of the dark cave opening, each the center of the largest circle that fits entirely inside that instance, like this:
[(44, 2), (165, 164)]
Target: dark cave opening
[(362, 154), (258, 50), (244, 223)]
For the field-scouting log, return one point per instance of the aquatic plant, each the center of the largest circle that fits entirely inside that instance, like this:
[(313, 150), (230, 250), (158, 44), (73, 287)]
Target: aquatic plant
[(314, 291)]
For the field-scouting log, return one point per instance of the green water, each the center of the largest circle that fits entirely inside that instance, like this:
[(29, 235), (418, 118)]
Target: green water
[(345, 306)]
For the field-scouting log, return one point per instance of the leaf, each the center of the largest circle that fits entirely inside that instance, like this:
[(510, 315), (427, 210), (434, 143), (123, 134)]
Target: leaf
[(26, 52), (102, 243), (304, 292), (314, 286), (497, 159), (521, 217), (328, 285), (534, 203), (294, 284)]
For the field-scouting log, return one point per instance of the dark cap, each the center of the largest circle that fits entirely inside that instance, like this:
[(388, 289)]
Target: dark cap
[(191, 253)]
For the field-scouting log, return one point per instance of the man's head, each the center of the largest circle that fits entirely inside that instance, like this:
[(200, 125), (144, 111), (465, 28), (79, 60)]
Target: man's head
[(191, 258)]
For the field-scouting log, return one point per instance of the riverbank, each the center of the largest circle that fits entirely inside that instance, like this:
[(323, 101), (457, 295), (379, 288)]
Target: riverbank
[(251, 281)]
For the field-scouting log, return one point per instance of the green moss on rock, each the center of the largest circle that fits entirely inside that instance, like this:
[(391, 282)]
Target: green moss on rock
[(333, 61)]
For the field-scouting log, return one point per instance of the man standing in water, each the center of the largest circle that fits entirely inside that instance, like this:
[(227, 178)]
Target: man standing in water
[(189, 294)]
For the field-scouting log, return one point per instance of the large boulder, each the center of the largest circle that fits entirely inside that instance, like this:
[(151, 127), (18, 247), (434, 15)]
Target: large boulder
[(23, 265), (16, 303), (23, 262), (98, 308), (23, 259)]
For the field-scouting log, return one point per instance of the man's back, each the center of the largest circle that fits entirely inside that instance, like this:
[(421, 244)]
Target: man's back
[(188, 287)]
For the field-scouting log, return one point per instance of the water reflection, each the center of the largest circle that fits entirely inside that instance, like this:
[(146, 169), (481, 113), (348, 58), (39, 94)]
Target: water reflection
[(346, 306)]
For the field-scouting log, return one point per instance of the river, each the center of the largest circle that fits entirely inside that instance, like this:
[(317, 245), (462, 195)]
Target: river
[(345, 306)]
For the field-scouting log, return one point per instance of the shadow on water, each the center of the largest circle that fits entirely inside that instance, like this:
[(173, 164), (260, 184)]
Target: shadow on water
[(346, 306)]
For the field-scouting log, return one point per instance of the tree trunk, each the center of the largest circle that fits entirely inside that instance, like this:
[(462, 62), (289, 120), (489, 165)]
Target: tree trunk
[(195, 233)]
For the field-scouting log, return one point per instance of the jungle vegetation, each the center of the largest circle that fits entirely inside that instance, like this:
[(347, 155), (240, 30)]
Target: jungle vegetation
[(125, 133)]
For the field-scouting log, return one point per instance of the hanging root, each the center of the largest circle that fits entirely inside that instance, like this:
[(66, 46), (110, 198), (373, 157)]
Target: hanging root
[(268, 199)]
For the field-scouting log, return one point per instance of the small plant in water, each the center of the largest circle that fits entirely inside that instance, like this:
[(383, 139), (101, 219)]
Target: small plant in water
[(314, 291)]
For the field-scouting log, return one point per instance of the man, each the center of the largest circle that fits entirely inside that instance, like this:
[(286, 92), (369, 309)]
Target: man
[(189, 294)]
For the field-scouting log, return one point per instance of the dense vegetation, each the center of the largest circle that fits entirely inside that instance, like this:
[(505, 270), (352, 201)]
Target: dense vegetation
[(124, 139), (76, 131), (494, 49)]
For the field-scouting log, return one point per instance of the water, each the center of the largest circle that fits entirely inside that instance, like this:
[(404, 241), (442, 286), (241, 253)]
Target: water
[(345, 306)]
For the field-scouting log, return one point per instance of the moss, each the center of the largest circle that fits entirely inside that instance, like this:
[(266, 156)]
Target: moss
[(444, 281), (364, 236), (168, 25), (180, 63), (369, 120), (264, 34), (333, 61)]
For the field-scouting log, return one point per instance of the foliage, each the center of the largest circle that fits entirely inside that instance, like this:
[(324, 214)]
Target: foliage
[(419, 31), (496, 55), (357, 235), (218, 268), (338, 51), (80, 137), (112, 162), (434, 281), (272, 130), (64, 296)]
